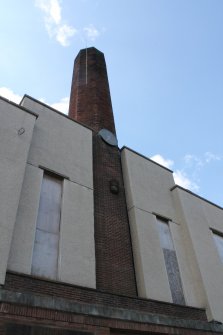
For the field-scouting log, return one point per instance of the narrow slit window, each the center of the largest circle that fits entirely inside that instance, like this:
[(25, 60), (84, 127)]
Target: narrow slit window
[(46, 244), (218, 238), (171, 262)]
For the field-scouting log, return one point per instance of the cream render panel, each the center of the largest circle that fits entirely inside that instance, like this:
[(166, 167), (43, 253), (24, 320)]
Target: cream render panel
[(21, 253), (64, 147), (214, 215), (60, 144), (147, 187), (76, 261), (198, 216), (147, 184), (148, 190), (151, 275), (16, 129), (77, 249), (190, 276)]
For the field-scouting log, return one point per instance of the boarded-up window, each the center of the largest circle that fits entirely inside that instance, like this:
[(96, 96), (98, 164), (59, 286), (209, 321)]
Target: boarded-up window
[(46, 245), (171, 263), (218, 238)]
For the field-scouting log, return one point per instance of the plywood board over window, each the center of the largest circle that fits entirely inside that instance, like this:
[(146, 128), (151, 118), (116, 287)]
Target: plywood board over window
[(46, 245), (171, 262)]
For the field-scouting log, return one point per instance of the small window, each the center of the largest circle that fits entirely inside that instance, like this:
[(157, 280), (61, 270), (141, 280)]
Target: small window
[(171, 262), (218, 238), (46, 244)]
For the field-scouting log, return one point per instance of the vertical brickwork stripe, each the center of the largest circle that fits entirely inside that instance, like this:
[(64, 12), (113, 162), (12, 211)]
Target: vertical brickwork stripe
[(90, 104), (114, 260)]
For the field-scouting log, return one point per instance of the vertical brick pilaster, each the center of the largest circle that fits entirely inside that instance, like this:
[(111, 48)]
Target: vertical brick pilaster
[(90, 104), (114, 259)]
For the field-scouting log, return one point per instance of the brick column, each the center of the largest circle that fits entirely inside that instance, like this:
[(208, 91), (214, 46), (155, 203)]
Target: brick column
[(90, 104), (90, 101)]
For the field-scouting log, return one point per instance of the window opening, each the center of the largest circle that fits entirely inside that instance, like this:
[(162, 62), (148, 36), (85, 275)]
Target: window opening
[(218, 238), (46, 244), (171, 262)]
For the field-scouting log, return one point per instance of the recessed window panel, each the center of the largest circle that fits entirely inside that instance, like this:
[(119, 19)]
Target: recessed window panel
[(45, 254), (171, 263), (46, 245), (50, 204), (164, 234), (219, 244)]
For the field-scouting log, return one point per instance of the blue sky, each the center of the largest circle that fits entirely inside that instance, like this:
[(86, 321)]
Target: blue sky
[(165, 67)]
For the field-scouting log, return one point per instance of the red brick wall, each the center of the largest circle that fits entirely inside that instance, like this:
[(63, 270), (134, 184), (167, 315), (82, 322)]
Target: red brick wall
[(37, 318), (23, 283), (114, 259), (99, 326), (23, 329), (90, 101), (90, 104)]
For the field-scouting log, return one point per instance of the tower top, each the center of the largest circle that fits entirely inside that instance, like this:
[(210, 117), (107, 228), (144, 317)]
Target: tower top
[(90, 100)]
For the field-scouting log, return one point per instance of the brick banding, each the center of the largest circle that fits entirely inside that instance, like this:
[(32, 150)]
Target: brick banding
[(23, 283)]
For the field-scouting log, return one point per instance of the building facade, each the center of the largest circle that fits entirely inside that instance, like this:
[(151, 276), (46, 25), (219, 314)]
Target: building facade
[(96, 239)]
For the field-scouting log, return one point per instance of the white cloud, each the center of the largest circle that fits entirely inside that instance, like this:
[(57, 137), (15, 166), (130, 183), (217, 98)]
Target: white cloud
[(51, 8), (57, 28), (64, 33), (192, 160), (182, 179), (54, 23), (211, 157), (168, 163), (197, 162), (91, 32), (62, 105), (188, 158), (10, 95)]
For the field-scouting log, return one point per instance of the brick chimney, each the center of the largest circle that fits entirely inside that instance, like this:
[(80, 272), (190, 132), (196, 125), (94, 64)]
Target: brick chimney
[(90, 100), (90, 104)]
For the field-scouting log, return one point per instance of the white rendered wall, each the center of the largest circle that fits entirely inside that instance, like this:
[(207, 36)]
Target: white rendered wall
[(60, 144), (77, 250), (14, 148), (148, 185), (151, 275), (198, 217), (190, 275), (20, 259), (148, 191), (64, 147)]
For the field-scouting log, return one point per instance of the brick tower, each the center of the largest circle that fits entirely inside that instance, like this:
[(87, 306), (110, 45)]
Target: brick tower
[(90, 104)]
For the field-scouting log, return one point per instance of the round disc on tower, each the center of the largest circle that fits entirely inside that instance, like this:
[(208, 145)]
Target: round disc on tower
[(108, 137)]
